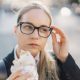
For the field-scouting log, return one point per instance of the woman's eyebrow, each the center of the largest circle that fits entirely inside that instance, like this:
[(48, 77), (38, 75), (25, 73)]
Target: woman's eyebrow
[(35, 25)]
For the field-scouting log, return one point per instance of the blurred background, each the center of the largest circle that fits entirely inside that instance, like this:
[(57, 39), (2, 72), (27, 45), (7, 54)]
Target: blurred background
[(66, 16)]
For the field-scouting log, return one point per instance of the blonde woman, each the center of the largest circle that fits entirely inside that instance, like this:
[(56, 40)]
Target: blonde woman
[(32, 31)]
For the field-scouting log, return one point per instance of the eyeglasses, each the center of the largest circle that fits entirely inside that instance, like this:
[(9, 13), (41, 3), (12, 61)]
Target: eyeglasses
[(28, 28)]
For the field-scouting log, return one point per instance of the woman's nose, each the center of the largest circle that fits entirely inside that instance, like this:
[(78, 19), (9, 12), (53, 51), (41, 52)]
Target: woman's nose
[(35, 34)]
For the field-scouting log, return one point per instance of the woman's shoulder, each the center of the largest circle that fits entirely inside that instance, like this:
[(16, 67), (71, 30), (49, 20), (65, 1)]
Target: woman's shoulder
[(8, 62)]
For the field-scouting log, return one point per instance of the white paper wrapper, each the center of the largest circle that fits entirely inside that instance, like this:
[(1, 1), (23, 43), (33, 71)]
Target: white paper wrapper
[(27, 64)]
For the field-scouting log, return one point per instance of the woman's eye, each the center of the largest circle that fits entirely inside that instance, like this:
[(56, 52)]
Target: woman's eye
[(45, 29), (28, 27)]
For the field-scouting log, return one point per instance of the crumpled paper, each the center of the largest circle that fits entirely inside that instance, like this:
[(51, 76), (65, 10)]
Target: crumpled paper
[(27, 64)]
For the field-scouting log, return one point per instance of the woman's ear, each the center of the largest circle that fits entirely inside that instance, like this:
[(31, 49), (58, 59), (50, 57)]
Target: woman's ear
[(14, 29)]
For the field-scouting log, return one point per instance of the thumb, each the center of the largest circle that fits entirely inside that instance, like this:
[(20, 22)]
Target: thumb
[(56, 46)]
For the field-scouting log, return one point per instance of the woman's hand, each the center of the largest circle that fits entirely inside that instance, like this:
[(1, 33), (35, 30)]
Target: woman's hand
[(60, 47), (19, 75)]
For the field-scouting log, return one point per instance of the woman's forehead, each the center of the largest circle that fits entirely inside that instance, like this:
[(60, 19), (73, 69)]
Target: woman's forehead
[(36, 16)]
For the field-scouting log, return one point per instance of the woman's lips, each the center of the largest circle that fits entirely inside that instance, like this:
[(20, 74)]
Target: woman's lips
[(33, 45)]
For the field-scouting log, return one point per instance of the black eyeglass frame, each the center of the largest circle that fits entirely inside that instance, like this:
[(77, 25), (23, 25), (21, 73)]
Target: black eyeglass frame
[(20, 24)]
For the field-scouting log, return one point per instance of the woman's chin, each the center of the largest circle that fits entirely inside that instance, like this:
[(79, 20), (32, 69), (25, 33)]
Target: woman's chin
[(34, 52)]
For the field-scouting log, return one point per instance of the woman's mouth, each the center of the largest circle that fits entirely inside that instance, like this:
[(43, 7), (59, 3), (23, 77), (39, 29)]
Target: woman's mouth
[(33, 45)]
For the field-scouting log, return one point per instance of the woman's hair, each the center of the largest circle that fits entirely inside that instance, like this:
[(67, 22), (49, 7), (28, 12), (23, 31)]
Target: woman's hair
[(33, 5), (47, 68)]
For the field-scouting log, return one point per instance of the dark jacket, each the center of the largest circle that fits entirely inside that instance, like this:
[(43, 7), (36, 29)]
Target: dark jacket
[(67, 71)]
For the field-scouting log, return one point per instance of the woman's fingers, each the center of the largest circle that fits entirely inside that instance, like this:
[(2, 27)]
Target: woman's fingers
[(62, 49), (13, 76), (58, 31), (24, 76), (62, 37), (21, 78), (56, 46), (20, 75)]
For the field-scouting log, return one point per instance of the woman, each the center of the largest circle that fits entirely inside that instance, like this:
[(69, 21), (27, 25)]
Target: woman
[(32, 31)]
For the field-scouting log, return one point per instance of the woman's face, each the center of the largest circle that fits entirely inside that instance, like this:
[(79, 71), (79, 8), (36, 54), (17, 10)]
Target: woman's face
[(33, 42)]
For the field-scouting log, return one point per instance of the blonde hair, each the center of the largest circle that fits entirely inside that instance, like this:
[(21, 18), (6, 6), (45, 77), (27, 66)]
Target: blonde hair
[(34, 5), (47, 66)]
